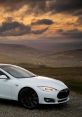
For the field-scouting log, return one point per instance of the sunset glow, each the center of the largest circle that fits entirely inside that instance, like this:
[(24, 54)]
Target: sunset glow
[(42, 16)]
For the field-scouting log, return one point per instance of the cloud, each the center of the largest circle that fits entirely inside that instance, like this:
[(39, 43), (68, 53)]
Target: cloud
[(67, 5), (75, 33), (27, 10), (79, 21), (34, 5), (11, 5), (77, 12), (43, 21), (41, 31), (14, 28), (44, 5)]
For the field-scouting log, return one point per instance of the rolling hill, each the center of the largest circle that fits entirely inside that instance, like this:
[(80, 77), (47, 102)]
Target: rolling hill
[(17, 53), (14, 53)]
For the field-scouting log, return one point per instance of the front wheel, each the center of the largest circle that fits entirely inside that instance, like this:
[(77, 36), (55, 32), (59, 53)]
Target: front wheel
[(28, 98)]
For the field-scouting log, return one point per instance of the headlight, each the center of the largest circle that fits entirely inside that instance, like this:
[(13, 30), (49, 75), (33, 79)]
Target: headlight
[(47, 89)]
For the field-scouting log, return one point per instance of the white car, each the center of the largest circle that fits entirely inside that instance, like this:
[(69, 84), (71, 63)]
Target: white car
[(19, 84)]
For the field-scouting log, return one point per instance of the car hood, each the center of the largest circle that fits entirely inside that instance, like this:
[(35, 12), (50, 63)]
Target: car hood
[(43, 81)]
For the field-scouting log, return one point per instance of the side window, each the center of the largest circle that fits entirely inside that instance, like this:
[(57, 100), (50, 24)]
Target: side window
[(1, 73)]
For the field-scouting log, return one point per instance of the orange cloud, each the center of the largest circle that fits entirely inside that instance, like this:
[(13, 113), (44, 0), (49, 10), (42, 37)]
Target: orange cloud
[(61, 20)]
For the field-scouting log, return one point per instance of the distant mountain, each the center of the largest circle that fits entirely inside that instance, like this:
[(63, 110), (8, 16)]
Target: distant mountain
[(54, 45), (17, 53), (15, 48), (66, 58), (14, 53)]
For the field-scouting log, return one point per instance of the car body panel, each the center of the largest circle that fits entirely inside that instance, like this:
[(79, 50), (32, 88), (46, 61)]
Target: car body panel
[(10, 88)]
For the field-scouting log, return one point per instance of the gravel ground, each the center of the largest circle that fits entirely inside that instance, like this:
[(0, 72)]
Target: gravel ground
[(72, 109)]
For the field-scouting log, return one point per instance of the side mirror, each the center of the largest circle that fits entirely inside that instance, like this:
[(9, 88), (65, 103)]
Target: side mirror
[(3, 77)]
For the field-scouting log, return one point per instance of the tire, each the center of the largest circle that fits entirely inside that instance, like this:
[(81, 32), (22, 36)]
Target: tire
[(28, 98)]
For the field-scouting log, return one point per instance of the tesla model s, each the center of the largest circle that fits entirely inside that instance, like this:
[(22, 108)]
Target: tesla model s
[(17, 83)]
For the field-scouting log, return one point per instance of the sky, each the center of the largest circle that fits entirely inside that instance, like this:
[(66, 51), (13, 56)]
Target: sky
[(36, 19)]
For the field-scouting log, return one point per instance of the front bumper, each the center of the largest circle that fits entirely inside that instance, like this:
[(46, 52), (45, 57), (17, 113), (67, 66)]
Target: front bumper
[(52, 98)]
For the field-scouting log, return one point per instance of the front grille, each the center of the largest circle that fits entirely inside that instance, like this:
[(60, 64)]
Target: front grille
[(63, 94)]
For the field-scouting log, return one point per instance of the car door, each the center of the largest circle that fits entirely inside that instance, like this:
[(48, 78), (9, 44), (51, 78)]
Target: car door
[(5, 87)]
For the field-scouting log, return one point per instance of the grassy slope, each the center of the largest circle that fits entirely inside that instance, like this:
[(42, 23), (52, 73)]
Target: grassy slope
[(14, 53), (72, 76)]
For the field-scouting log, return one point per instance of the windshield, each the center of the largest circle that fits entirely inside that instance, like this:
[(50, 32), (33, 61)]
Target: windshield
[(18, 72)]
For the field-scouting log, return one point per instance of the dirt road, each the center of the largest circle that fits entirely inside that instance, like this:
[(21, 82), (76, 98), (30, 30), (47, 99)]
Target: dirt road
[(73, 109)]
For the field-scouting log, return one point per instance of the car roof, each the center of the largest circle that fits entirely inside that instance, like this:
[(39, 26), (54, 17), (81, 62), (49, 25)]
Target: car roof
[(2, 65)]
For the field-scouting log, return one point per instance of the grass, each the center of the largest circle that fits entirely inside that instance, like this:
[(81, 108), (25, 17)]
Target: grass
[(71, 76)]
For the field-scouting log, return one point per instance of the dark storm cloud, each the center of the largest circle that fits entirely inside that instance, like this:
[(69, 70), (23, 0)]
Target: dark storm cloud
[(43, 21), (39, 31), (75, 33), (67, 5), (38, 6), (11, 5), (13, 28), (34, 5)]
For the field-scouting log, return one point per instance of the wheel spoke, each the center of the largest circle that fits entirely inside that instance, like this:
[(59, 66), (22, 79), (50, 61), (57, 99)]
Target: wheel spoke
[(29, 100)]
